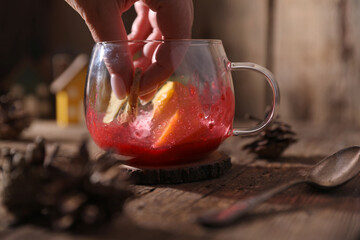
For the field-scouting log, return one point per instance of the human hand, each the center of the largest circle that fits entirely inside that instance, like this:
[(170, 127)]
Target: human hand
[(156, 20)]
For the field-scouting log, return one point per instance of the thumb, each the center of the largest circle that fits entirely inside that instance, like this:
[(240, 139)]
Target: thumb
[(104, 21)]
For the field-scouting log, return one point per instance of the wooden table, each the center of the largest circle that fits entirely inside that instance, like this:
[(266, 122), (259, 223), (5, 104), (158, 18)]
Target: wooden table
[(170, 211)]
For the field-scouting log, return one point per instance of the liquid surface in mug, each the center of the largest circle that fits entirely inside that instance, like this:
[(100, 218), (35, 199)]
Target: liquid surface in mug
[(179, 125)]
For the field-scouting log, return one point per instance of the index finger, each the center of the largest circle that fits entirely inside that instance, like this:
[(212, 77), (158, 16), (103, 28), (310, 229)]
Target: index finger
[(174, 20), (104, 21), (174, 17)]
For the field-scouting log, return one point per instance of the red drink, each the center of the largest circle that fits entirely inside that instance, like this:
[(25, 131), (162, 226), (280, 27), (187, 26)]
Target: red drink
[(186, 127)]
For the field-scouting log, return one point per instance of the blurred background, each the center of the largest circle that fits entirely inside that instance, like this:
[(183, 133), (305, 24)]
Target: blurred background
[(312, 46)]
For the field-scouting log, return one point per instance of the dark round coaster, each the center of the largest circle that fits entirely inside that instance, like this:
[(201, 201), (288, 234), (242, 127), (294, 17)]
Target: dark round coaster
[(212, 166)]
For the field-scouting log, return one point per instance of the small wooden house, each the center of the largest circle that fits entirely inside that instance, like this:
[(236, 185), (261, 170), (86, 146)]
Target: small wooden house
[(69, 90)]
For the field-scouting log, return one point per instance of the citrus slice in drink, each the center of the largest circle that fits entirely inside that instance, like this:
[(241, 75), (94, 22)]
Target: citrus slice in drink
[(162, 99), (177, 116), (181, 129)]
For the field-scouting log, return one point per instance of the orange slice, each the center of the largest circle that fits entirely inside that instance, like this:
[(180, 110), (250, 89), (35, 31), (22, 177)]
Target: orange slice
[(165, 104), (181, 129), (168, 131), (162, 98), (176, 116)]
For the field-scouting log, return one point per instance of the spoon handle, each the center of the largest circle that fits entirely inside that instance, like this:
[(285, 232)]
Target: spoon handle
[(240, 208)]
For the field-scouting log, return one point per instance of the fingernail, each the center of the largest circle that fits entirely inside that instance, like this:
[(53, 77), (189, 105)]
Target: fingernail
[(144, 99), (118, 86)]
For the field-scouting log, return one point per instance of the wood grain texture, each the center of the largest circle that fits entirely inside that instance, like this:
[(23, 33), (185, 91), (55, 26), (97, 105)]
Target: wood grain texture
[(301, 212), (312, 46), (170, 211), (317, 59)]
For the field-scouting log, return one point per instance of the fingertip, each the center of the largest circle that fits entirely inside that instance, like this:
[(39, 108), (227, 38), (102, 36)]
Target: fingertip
[(155, 75), (118, 86), (147, 97), (141, 26)]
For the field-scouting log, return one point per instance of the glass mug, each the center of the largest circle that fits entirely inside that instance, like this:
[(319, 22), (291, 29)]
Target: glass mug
[(188, 112)]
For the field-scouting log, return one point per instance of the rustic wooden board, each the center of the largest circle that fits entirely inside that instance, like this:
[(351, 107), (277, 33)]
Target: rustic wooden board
[(317, 59), (312, 46), (302, 212)]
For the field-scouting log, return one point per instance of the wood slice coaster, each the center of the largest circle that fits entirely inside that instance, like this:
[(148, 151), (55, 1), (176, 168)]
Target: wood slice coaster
[(212, 166)]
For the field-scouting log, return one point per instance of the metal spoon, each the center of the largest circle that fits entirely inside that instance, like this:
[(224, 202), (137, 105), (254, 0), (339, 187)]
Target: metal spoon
[(330, 172)]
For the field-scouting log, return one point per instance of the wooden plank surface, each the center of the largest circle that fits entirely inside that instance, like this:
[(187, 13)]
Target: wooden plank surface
[(317, 59), (312, 46), (170, 211)]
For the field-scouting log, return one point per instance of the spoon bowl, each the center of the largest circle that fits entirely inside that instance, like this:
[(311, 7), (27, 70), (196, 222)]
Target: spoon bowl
[(330, 172), (336, 169)]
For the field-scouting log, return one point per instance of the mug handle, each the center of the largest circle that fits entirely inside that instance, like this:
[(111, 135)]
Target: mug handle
[(275, 98)]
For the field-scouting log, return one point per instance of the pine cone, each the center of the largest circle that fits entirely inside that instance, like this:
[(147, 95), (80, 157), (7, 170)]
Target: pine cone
[(273, 141), (61, 193), (13, 118)]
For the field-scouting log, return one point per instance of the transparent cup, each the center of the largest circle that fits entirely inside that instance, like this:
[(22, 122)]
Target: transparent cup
[(173, 106)]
